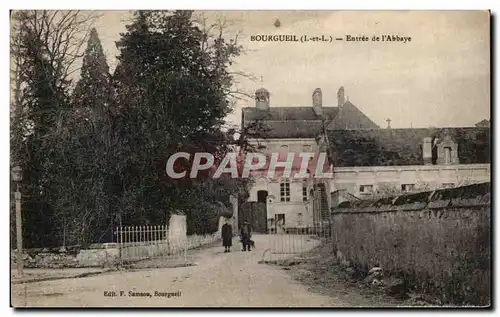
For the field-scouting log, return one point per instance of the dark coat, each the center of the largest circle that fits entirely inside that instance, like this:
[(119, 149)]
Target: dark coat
[(227, 235), (246, 234)]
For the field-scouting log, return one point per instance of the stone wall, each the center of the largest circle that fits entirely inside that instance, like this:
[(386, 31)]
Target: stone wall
[(96, 255), (437, 241), (108, 254)]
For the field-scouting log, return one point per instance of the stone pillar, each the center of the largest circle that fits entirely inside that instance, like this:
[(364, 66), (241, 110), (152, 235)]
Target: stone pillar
[(177, 233), (234, 203)]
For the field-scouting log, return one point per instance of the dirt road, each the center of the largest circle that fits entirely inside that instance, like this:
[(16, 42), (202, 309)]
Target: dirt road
[(219, 279)]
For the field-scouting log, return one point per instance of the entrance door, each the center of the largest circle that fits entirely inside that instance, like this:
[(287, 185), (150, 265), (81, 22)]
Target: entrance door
[(260, 219), (255, 213), (262, 196)]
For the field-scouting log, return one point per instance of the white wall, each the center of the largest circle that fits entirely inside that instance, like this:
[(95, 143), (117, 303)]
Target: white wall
[(423, 176), (296, 205), (291, 210)]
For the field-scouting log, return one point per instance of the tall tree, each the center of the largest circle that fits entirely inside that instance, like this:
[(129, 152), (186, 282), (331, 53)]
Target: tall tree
[(172, 86), (90, 121), (93, 89), (45, 49)]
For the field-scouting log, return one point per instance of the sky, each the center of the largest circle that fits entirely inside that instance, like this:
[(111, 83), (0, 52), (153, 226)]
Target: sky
[(441, 78)]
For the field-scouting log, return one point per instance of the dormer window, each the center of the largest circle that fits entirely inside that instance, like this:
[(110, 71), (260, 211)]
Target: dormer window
[(447, 151), (406, 188), (366, 189)]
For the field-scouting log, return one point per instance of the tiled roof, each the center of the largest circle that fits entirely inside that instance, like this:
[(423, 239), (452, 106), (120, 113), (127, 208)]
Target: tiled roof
[(287, 113), (294, 129), (350, 117), (386, 147), (303, 122), (290, 122)]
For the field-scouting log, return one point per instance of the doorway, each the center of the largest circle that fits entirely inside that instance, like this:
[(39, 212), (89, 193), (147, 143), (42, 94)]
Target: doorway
[(255, 213), (262, 196)]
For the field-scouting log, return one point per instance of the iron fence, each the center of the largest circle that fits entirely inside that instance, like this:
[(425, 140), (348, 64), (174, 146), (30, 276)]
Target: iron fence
[(154, 243)]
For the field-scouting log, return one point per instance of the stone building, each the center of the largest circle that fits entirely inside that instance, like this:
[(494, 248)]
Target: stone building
[(364, 159)]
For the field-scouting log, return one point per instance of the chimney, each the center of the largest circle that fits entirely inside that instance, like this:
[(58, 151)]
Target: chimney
[(262, 99), (341, 97), (318, 102), (427, 151)]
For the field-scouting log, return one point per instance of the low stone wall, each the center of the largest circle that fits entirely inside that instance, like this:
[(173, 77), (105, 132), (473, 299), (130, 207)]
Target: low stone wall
[(108, 254), (46, 260), (195, 241), (437, 242)]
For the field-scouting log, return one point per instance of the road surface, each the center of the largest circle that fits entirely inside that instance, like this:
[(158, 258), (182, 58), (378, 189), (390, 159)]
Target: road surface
[(218, 279)]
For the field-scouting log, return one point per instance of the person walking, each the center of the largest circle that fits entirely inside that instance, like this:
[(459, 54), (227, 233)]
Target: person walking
[(227, 236), (246, 235)]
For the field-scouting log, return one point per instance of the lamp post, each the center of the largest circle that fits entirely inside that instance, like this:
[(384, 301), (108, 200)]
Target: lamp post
[(17, 176)]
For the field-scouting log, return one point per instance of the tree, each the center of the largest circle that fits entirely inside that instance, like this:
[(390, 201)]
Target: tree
[(93, 90), (173, 76), (45, 48), (89, 140)]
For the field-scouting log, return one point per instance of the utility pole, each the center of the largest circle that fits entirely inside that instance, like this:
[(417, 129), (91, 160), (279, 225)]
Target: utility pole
[(17, 177)]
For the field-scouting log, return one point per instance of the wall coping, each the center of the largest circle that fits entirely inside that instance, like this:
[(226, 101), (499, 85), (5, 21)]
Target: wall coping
[(409, 167), (380, 211), (470, 196)]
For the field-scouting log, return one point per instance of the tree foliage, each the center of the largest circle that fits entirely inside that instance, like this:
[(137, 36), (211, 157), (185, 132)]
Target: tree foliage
[(94, 153), (173, 88)]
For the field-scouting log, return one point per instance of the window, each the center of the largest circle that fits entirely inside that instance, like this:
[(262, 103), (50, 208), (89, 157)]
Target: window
[(304, 191), (448, 185), (366, 189), (285, 190), (300, 219), (407, 187)]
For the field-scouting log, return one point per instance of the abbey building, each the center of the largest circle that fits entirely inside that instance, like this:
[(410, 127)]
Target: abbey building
[(364, 159)]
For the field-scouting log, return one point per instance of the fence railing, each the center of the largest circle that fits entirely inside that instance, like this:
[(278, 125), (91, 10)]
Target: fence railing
[(135, 234), (296, 240), (137, 243)]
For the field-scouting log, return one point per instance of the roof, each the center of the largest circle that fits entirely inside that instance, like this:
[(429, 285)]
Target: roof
[(290, 122), (293, 129), (303, 122), (389, 147), (287, 113), (483, 123), (261, 90), (350, 117)]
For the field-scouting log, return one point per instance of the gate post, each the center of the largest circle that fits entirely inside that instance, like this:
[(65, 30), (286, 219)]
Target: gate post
[(234, 202)]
